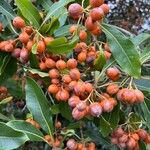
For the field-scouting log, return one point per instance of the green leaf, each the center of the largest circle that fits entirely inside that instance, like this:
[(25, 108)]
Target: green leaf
[(143, 84), (15, 88), (8, 66), (34, 63), (6, 100), (145, 55), (56, 9), (139, 39), (146, 112), (36, 71), (10, 139), (29, 11), (66, 113), (100, 61), (135, 121), (50, 27), (38, 105), (63, 17), (62, 47), (123, 51), (6, 9), (26, 128), (4, 118), (55, 109), (62, 31), (105, 127), (46, 4)]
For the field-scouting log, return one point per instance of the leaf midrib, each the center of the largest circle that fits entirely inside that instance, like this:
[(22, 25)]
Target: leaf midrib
[(119, 46)]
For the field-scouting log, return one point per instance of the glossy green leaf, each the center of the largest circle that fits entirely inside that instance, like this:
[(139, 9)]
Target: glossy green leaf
[(139, 39), (62, 47), (123, 50), (29, 11), (62, 31), (10, 139), (22, 126), (63, 17), (66, 113), (6, 9), (56, 9), (100, 61), (38, 105), (145, 55), (37, 71)]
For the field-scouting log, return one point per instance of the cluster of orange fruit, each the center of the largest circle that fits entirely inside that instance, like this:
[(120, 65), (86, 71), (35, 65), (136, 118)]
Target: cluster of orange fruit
[(92, 16), (129, 140)]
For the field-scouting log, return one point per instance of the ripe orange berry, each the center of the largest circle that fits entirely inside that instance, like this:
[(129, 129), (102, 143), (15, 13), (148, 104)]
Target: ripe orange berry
[(73, 101), (91, 146), (77, 115), (107, 105), (80, 146), (72, 63), (41, 47), (63, 95), (57, 143), (58, 124), (135, 136), (42, 66), (82, 35), (105, 8), (18, 22), (9, 47), (50, 63), (131, 143), (54, 73), (107, 55), (119, 132), (72, 144), (55, 81), (96, 3), (113, 73), (97, 31), (72, 29), (139, 96), (97, 14), (29, 45), (75, 74), (142, 134), (81, 106), (106, 47), (89, 24), (48, 40), (95, 109), (53, 88), (114, 140), (60, 64), (75, 10), (1, 27), (82, 57), (16, 52), (147, 140), (24, 37), (88, 87), (72, 84), (112, 89), (28, 30), (79, 88), (66, 79), (3, 90), (123, 138)]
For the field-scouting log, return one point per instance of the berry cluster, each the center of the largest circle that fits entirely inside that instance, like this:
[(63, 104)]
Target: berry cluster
[(130, 96), (129, 140), (73, 145), (95, 14)]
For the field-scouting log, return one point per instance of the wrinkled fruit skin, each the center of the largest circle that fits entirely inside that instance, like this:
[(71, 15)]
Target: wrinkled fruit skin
[(96, 3), (18, 22), (75, 10)]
